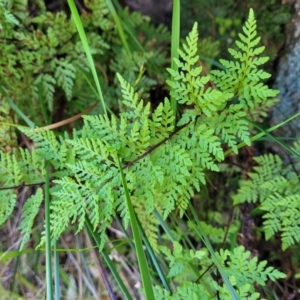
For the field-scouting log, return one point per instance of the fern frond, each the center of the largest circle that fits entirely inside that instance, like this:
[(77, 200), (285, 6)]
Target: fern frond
[(65, 75), (30, 211), (277, 188), (130, 99), (242, 270), (282, 215), (8, 199), (47, 82), (48, 147), (189, 87), (16, 169), (162, 123), (242, 76)]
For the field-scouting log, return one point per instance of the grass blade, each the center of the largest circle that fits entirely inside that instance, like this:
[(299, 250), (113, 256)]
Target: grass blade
[(86, 48), (138, 242), (208, 245), (118, 24), (108, 261), (16, 108), (48, 237), (175, 45), (275, 139)]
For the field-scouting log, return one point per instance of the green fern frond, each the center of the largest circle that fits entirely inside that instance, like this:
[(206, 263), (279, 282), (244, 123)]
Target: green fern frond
[(30, 211), (16, 169), (47, 83), (189, 86), (180, 259), (242, 76), (277, 188), (162, 125), (242, 270), (48, 147), (65, 75), (282, 215), (130, 99), (8, 200), (257, 188)]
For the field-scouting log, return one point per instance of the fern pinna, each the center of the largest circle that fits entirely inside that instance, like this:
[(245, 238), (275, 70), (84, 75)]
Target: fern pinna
[(163, 164)]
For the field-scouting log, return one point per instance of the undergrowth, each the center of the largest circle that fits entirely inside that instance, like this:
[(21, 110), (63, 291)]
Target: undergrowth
[(142, 166)]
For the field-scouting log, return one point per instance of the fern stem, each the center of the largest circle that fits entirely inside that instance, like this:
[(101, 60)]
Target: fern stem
[(48, 237), (175, 46)]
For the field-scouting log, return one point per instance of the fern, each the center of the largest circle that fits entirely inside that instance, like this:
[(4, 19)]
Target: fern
[(159, 160), (65, 75), (242, 271), (276, 187), (242, 76), (30, 211), (163, 163), (14, 170)]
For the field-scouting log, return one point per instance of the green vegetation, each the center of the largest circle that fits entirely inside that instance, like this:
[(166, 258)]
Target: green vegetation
[(163, 168)]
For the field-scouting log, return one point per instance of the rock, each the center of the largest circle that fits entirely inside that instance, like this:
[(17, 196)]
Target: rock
[(288, 78), (158, 10)]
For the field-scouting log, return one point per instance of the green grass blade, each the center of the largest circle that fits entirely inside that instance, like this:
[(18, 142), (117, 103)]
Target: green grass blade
[(56, 273), (118, 24), (164, 225), (208, 245), (138, 242), (261, 134), (86, 48), (16, 108), (175, 45), (108, 261), (48, 237), (154, 260), (127, 26), (274, 139)]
